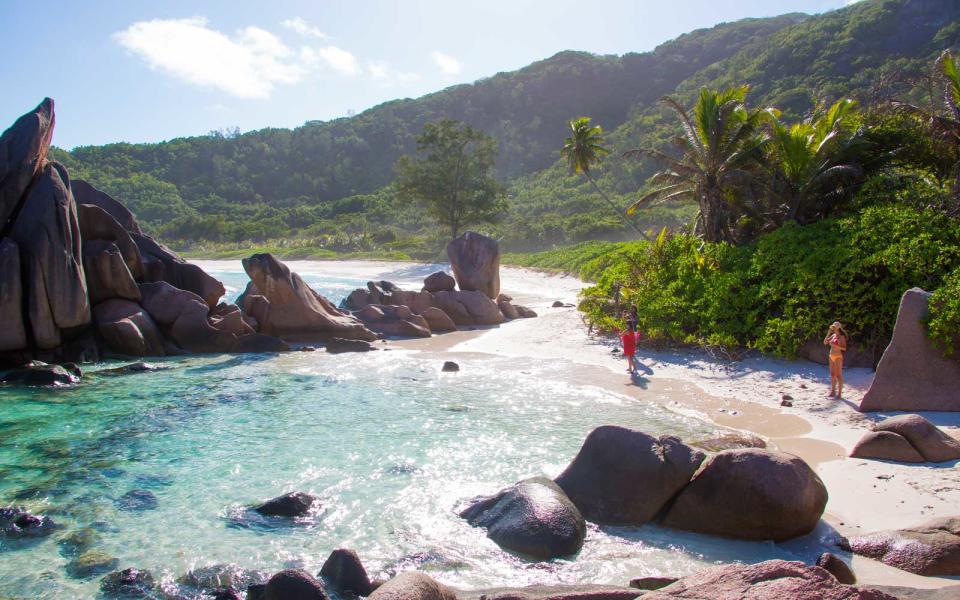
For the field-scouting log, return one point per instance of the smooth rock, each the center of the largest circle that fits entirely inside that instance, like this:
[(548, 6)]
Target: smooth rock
[(475, 260), (729, 441), (128, 329), (886, 445), (931, 548), (439, 282), (339, 345), (417, 302), (508, 310), (167, 265), (932, 443), (257, 342), (837, 568), (913, 374), (437, 320), (751, 494), (13, 335), (185, 314), (294, 584), (450, 367), (97, 224), (84, 193), (394, 320), (295, 309), (626, 476), (533, 517), (47, 232), (411, 585), (90, 564), (469, 308), (769, 580), (292, 504), (107, 273), (40, 375), (345, 573), (23, 153)]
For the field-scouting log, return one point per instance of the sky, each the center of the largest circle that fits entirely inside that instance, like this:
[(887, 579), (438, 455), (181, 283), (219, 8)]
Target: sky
[(149, 71)]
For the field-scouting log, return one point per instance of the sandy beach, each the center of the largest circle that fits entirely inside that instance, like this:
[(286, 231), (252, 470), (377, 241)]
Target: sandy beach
[(865, 495)]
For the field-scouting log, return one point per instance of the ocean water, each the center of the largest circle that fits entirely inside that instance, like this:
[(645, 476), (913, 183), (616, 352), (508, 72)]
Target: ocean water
[(392, 446)]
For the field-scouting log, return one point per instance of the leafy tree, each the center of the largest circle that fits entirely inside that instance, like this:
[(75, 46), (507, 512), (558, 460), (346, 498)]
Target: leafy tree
[(583, 149), (452, 175), (719, 149)]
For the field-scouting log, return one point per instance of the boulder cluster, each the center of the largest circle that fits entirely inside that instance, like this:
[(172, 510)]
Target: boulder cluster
[(626, 477), (907, 438)]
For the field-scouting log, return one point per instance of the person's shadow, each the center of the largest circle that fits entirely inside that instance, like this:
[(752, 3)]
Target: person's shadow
[(638, 378)]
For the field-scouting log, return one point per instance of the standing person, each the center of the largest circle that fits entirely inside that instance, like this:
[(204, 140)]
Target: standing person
[(837, 340), (629, 339)]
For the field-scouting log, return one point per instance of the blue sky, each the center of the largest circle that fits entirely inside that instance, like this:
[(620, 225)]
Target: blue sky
[(148, 71)]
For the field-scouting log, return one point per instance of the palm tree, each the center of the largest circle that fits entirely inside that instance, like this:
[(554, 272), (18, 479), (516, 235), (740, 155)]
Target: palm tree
[(944, 123), (583, 149), (719, 149), (814, 162)]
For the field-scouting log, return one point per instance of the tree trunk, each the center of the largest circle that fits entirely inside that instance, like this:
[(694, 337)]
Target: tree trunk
[(614, 207)]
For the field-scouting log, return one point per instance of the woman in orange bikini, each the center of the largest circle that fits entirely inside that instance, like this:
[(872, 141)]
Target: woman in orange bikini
[(837, 340)]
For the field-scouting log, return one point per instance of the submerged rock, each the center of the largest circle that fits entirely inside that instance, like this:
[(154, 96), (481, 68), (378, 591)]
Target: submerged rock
[(128, 583), (931, 548), (41, 375), (626, 476), (345, 573), (294, 584), (137, 501), (18, 522), (475, 260), (339, 345), (91, 563), (533, 517), (213, 577), (293, 504), (750, 494)]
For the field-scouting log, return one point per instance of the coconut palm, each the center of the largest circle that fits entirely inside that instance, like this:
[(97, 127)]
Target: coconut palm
[(584, 149), (814, 163), (719, 150)]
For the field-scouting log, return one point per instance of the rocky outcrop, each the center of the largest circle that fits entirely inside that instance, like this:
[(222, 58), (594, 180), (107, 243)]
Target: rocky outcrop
[(98, 224), (86, 194), (441, 281), (23, 153), (392, 320), (750, 493), (475, 260), (163, 264), (931, 548), (626, 476), (344, 572), (932, 443), (13, 335), (913, 374), (48, 235), (534, 518), (886, 445), (41, 375), (293, 504), (469, 308), (294, 584), (184, 314), (127, 329), (295, 309), (412, 585), (772, 579), (107, 273)]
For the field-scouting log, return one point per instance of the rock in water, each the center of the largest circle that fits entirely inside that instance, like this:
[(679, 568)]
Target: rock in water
[(23, 153), (293, 504), (931, 548), (18, 522), (751, 494), (345, 573), (339, 346), (13, 336), (128, 583), (439, 282), (294, 584), (533, 517), (913, 374), (40, 375), (295, 309), (185, 314), (886, 445), (128, 329), (475, 260), (932, 443), (411, 585), (47, 232), (769, 580), (90, 564), (450, 367), (837, 568), (626, 476)]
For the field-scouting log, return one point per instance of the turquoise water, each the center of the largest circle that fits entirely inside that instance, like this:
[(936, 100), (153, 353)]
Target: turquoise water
[(392, 445)]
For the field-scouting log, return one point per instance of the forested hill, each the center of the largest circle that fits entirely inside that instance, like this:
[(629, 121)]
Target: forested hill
[(269, 183)]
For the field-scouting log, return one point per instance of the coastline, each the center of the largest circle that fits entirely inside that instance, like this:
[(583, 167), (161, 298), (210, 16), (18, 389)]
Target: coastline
[(743, 396)]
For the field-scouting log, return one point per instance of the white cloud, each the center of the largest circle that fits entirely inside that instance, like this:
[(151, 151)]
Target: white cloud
[(448, 64), (300, 25), (247, 65), (381, 72), (337, 59)]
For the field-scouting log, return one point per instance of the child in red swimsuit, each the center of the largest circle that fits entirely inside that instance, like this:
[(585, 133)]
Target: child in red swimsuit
[(629, 338)]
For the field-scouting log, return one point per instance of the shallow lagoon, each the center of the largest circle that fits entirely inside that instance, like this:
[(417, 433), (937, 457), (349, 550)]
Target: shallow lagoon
[(391, 444)]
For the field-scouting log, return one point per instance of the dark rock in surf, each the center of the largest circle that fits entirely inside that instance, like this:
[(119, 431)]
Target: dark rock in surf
[(18, 522), (339, 346), (257, 342), (128, 583), (344, 572), (40, 375), (533, 518), (137, 501), (91, 563), (294, 584), (293, 504), (450, 367)]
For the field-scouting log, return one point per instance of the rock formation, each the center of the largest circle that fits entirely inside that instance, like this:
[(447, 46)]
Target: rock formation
[(907, 438), (913, 374), (345, 573), (931, 548), (23, 153), (475, 260)]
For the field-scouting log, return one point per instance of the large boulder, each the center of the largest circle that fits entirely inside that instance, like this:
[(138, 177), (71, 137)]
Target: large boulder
[(107, 273), (931, 548), (47, 232), (98, 224), (533, 517), (753, 494), (913, 374), (84, 193), (886, 445), (932, 443), (439, 321), (184, 314), (475, 260), (128, 329), (228, 317), (394, 320), (441, 281), (294, 584), (163, 264), (626, 476), (23, 153), (13, 335), (412, 585), (295, 309), (769, 580), (469, 308), (416, 301), (344, 572)]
